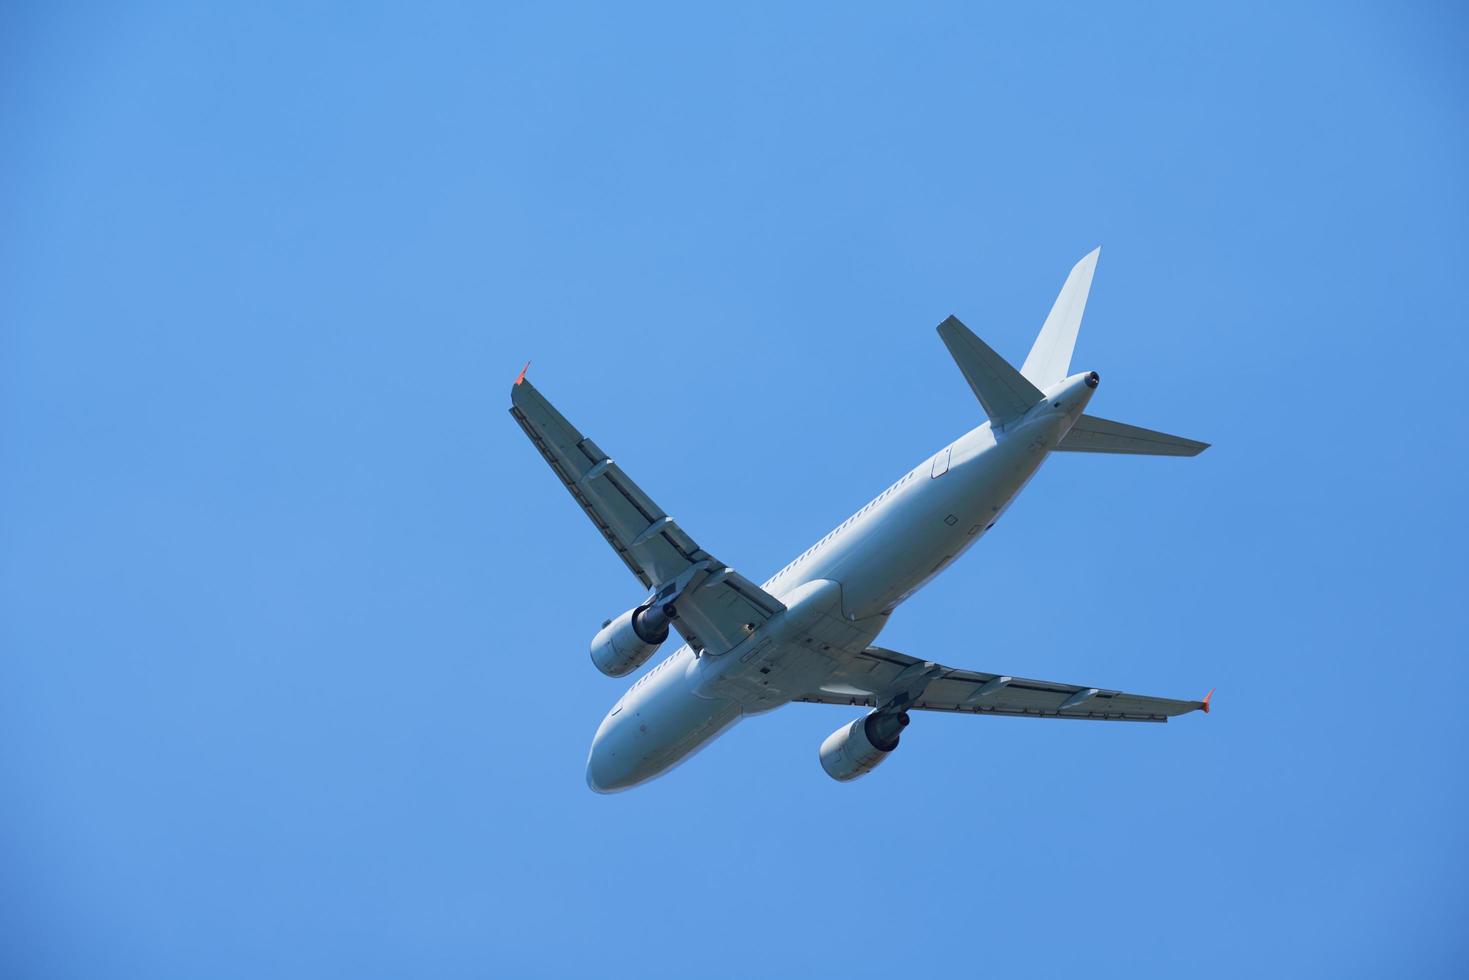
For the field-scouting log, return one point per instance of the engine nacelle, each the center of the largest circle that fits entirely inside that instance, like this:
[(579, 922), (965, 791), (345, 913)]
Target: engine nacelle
[(625, 643), (858, 748)]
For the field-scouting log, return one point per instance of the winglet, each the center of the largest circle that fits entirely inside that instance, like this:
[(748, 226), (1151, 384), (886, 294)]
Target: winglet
[(521, 376), (1205, 703)]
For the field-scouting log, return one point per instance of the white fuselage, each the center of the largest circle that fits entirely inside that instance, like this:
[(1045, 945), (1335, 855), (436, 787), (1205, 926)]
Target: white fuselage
[(838, 593)]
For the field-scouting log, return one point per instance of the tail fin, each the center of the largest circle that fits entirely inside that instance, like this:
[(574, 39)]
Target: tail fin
[(1050, 357), (1091, 434), (1001, 389)]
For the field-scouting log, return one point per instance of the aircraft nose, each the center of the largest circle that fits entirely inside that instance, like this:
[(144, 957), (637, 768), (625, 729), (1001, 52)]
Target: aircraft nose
[(608, 770), (605, 775)]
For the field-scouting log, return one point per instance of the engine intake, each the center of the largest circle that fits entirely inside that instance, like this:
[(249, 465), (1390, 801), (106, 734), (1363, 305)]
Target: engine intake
[(861, 746), (624, 644)]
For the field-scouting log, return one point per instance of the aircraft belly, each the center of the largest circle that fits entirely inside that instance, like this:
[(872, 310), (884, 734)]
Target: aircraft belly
[(682, 733), (924, 533), (798, 653)]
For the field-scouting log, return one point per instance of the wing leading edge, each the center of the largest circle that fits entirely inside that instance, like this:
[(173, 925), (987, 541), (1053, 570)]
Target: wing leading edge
[(876, 676)]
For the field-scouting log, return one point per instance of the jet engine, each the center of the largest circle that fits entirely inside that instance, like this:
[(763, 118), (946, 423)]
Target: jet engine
[(624, 643), (857, 749)]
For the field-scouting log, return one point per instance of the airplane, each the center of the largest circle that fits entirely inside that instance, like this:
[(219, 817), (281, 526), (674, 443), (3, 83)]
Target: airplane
[(807, 633)]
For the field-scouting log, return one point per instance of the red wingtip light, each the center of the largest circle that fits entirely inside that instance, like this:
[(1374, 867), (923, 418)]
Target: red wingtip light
[(521, 376), (1206, 700)]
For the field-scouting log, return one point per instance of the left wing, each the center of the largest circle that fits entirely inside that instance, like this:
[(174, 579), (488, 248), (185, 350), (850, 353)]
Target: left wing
[(880, 678), (718, 607)]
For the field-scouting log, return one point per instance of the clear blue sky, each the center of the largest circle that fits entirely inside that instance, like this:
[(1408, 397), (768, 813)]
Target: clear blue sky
[(294, 622)]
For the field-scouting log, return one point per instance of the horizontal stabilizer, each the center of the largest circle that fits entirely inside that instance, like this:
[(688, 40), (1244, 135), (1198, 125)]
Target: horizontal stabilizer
[(1001, 389), (1091, 434)]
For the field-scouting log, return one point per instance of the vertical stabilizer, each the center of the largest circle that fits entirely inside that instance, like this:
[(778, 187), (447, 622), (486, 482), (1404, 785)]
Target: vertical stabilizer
[(1050, 358)]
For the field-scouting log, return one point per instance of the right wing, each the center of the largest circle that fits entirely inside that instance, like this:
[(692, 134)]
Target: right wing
[(718, 607), (878, 678)]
